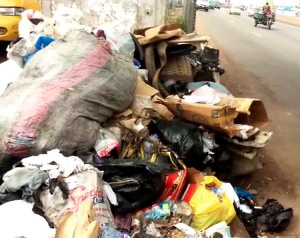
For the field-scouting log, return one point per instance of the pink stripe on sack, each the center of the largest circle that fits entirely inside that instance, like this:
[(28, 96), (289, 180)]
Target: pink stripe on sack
[(37, 106)]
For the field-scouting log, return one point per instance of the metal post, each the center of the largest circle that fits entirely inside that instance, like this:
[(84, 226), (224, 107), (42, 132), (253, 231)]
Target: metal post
[(189, 15)]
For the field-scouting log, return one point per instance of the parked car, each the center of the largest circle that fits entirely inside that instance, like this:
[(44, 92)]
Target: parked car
[(235, 11), (243, 8), (10, 16), (250, 12), (202, 5), (227, 5), (253, 10), (222, 5), (288, 11), (218, 6), (213, 4)]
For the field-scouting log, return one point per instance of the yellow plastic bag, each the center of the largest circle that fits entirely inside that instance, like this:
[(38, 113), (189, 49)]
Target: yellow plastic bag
[(210, 204)]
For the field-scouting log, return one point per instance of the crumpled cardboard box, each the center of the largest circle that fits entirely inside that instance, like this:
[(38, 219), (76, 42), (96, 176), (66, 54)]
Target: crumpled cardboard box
[(158, 33), (147, 97), (224, 116)]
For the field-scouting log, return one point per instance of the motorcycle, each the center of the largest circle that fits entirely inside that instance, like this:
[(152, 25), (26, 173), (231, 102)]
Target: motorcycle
[(264, 19), (207, 64)]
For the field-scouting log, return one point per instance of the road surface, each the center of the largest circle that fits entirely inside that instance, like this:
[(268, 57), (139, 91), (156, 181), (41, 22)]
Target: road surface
[(265, 64)]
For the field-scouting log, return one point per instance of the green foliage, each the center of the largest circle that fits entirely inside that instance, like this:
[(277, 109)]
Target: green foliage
[(181, 21), (175, 16)]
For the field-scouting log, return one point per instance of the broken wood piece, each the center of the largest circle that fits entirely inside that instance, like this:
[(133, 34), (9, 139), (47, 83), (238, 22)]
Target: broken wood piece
[(80, 224)]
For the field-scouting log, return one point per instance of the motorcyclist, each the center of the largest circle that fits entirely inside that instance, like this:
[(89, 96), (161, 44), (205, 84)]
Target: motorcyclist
[(267, 9)]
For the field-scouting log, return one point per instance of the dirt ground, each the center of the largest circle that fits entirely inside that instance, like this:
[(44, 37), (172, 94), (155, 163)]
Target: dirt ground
[(278, 179), (295, 21)]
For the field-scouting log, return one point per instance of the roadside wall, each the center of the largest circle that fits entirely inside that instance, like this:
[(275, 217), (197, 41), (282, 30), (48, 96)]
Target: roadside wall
[(144, 13)]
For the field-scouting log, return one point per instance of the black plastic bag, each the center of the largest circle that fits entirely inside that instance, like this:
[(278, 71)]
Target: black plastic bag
[(185, 139), (249, 220), (180, 50), (137, 183), (273, 217), (176, 87)]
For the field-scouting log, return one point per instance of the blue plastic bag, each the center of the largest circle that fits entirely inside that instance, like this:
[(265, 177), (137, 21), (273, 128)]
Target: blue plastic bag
[(244, 194), (42, 42)]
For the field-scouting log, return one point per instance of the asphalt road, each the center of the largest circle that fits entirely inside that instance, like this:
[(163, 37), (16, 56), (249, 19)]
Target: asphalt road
[(272, 55), (264, 64)]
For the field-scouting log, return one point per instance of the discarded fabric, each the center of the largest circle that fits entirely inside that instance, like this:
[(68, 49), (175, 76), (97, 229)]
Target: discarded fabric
[(56, 164), (23, 179)]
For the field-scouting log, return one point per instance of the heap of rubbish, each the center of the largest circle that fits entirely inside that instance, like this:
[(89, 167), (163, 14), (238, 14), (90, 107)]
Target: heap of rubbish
[(125, 134)]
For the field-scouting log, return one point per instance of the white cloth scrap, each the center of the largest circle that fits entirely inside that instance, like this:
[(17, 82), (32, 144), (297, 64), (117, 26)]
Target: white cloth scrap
[(56, 164), (112, 197)]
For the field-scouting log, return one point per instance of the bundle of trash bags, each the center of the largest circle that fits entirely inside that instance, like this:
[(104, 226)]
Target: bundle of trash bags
[(89, 148), (64, 92)]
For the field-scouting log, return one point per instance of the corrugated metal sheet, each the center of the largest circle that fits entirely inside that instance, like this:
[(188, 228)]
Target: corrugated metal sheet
[(145, 13)]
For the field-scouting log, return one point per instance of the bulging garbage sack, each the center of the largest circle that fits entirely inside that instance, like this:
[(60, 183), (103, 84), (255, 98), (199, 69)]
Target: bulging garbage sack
[(63, 94), (137, 183), (186, 139), (210, 203)]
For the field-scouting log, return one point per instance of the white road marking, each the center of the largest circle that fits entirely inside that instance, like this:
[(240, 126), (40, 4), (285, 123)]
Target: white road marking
[(257, 34)]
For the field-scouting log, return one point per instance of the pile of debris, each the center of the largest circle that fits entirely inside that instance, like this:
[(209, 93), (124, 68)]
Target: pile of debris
[(103, 139)]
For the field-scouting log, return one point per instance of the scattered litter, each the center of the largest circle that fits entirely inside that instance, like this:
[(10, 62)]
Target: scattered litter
[(253, 191), (221, 228), (110, 131), (204, 94), (244, 194), (109, 139)]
